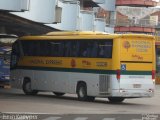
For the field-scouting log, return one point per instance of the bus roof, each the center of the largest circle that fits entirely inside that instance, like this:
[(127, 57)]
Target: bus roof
[(81, 35), (76, 33)]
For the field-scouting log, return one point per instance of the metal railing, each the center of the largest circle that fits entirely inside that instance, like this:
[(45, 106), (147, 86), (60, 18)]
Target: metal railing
[(136, 22)]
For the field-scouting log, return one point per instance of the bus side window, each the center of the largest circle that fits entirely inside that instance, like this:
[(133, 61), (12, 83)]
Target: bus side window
[(47, 47), (15, 54), (108, 50), (38, 51), (94, 50), (70, 49), (89, 49), (105, 49), (77, 49), (24, 46), (15, 49), (101, 51), (74, 49), (28, 48), (61, 47), (55, 48), (67, 48), (85, 49)]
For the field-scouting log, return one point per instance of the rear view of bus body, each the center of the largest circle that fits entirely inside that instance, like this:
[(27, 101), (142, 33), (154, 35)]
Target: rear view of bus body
[(89, 64)]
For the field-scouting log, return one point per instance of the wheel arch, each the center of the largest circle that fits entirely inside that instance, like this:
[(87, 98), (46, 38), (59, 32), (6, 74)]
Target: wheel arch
[(79, 83), (28, 91), (26, 79)]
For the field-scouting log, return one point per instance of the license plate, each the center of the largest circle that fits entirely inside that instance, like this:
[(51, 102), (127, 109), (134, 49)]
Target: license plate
[(136, 85)]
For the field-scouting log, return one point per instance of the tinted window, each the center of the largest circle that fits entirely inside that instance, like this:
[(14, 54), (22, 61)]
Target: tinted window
[(69, 48)]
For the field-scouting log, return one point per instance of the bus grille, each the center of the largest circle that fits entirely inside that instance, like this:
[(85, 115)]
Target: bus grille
[(104, 84)]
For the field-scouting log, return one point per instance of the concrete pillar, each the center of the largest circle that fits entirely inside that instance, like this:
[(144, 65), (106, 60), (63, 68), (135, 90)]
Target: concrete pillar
[(42, 11), (112, 18), (14, 5)]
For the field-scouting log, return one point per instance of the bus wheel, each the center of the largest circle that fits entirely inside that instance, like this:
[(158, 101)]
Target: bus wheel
[(116, 99), (82, 92), (90, 98), (27, 88), (58, 94)]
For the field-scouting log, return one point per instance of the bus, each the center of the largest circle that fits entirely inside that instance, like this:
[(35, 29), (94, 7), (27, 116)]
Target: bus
[(89, 64), (5, 51), (157, 61), (4, 65)]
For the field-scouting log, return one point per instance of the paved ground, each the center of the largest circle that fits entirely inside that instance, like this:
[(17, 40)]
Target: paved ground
[(83, 117), (66, 107)]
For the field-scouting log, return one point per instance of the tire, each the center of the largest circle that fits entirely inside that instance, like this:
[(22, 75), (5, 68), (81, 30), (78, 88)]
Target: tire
[(116, 99), (27, 88), (90, 98), (82, 92), (58, 94)]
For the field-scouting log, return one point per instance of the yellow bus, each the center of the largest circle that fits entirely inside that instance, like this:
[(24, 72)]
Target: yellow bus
[(158, 60), (89, 64)]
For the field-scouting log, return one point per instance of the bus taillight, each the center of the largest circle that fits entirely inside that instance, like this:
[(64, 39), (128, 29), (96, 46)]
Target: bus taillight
[(118, 74), (153, 74)]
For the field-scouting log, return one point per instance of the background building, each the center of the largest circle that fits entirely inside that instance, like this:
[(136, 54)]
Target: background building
[(81, 15)]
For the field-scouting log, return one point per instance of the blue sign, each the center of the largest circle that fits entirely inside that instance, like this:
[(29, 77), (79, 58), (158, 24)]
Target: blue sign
[(123, 66)]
